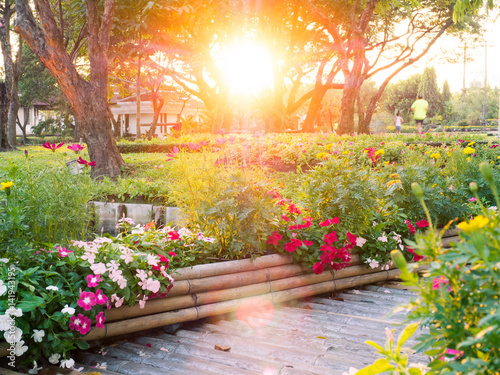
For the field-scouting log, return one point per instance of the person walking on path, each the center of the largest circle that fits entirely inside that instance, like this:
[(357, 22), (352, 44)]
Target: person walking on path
[(419, 109), (398, 121)]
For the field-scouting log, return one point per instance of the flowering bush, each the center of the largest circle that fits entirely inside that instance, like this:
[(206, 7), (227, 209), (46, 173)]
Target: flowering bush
[(458, 297), (60, 292)]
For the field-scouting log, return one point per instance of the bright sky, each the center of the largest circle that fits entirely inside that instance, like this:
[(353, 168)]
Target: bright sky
[(453, 72)]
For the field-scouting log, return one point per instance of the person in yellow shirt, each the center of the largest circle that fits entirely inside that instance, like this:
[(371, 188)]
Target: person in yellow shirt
[(419, 109)]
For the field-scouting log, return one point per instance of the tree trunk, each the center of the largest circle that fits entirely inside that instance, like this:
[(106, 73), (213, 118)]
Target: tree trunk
[(4, 113), (312, 111), (87, 96), (9, 75), (12, 116), (157, 106), (352, 86)]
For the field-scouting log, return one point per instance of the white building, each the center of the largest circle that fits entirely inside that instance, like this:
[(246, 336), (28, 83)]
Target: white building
[(125, 112), (31, 116)]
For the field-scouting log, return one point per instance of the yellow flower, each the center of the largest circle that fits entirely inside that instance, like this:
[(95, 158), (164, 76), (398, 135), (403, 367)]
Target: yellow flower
[(471, 143), (6, 185), (346, 152), (394, 175), (435, 156), (469, 150), (478, 222), (386, 162), (392, 182), (498, 157), (427, 152), (449, 153), (321, 155), (329, 146), (468, 158), (379, 152)]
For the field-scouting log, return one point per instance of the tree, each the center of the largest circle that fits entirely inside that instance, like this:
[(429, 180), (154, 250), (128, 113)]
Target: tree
[(10, 100), (400, 96), (367, 43), (87, 95), (429, 89)]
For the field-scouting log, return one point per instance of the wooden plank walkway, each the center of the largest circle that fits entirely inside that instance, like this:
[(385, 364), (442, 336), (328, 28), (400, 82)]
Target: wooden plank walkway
[(313, 336)]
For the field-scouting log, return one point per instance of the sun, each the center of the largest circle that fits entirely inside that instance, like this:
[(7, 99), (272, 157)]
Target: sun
[(247, 67)]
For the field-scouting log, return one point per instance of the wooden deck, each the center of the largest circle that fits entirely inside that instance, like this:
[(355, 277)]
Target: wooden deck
[(313, 336)]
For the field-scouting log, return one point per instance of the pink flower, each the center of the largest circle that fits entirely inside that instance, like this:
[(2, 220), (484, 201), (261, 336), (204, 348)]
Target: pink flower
[(194, 146), (98, 268), (422, 223), (174, 153), (273, 239), (76, 148), (318, 268), (63, 252), (142, 302), (100, 298), (152, 260), (100, 320), (284, 217), (93, 280), (173, 235), (438, 281), (119, 301), (85, 162), (360, 241), (296, 242), (330, 237), (52, 146), (172, 254), (308, 243), (87, 300), (85, 326), (473, 199)]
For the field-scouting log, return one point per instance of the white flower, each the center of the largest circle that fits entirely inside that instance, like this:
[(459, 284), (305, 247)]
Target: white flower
[(54, 358), (67, 363), (68, 310), (38, 335), (14, 312), (98, 268), (137, 229), (13, 335), (3, 288), (372, 263), (4, 260), (493, 208), (209, 239), (5, 322), (20, 348), (152, 260), (382, 238), (52, 287), (360, 241), (35, 369)]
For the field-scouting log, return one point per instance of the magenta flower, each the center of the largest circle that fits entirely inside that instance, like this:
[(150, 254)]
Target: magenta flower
[(290, 247), (410, 226), (93, 280), (87, 300), (100, 320), (52, 146), (352, 238), (438, 281), (308, 243), (284, 217), (63, 252), (293, 209), (473, 199), (174, 153), (85, 326), (85, 162), (100, 297), (76, 322), (318, 268), (76, 148)]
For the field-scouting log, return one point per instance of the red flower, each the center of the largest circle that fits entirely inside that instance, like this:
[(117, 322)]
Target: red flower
[(308, 243), (318, 268), (328, 222), (330, 237), (284, 217), (148, 226), (416, 257), (274, 193), (422, 223), (290, 247), (177, 127), (352, 238), (296, 242), (172, 254), (85, 162), (293, 209), (411, 227), (273, 239)]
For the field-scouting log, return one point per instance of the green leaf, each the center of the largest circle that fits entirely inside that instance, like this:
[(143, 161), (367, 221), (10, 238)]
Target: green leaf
[(30, 303), (406, 334), (380, 365), (375, 345), (415, 371), (82, 344)]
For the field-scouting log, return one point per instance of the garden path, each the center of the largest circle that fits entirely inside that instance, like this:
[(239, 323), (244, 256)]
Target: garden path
[(314, 336)]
